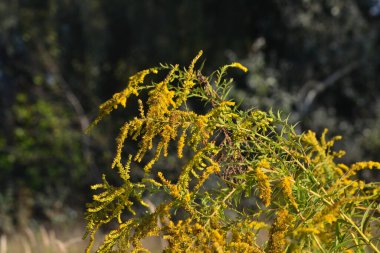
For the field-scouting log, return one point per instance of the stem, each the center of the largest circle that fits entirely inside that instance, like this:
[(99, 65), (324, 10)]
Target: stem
[(217, 209), (364, 237), (349, 220), (318, 243)]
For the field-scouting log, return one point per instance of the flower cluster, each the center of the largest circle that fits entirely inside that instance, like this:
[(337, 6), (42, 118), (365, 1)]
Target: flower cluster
[(277, 238), (240, 175)]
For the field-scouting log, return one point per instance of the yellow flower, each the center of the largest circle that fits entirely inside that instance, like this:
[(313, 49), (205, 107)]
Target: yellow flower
[(257, 225), (181, 144), (141, 109), (264, 186), (218, 237), (152, 181), (264, 164), (239, 66), (306, 230), (121, 97), (287, 185), (213, 168), (277, 239), (228, 103), (330, 218), (189, 81), (167, 134), (365, 165)]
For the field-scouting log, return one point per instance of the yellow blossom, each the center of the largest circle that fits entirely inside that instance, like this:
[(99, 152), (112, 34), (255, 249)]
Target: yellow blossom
[(188, 83), (225, 142), (141, 109), (173, 188), (306, 230), (239, 66), (287, 185), (277, 239), (218, 237), (121, 97), (264, 186), (365, 165), (167, 134), (128, 129), (257, 225), (228, 103), (213, 168), (152, 181), (181, 144), (310, 138), (263, 164)]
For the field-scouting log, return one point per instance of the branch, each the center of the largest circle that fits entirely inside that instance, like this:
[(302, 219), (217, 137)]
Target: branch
[(312, 89)]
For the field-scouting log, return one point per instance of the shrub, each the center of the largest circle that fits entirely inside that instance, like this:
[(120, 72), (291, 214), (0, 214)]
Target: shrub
[(245, 175)]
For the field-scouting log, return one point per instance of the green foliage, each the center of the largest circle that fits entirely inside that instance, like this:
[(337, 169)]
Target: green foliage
[(45, 146), (42, 162), (297, 193)]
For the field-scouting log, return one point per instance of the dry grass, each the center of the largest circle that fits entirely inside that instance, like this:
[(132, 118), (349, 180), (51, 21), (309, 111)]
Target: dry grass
[(42, 240), (66, 240)]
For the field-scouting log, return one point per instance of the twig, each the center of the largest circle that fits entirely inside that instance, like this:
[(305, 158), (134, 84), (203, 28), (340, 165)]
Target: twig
[(308, 94)]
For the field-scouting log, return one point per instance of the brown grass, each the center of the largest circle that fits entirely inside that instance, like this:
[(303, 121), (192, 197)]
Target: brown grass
[(66, 239), (42, 240)]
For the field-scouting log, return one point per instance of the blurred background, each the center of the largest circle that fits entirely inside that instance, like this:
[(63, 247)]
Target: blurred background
[(317, 60)]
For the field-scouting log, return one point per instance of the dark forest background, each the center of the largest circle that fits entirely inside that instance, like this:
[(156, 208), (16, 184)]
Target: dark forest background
[(317, 60)]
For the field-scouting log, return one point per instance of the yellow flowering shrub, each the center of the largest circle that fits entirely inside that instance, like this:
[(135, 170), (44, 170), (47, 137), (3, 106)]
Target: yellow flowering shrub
[(246, 181)]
